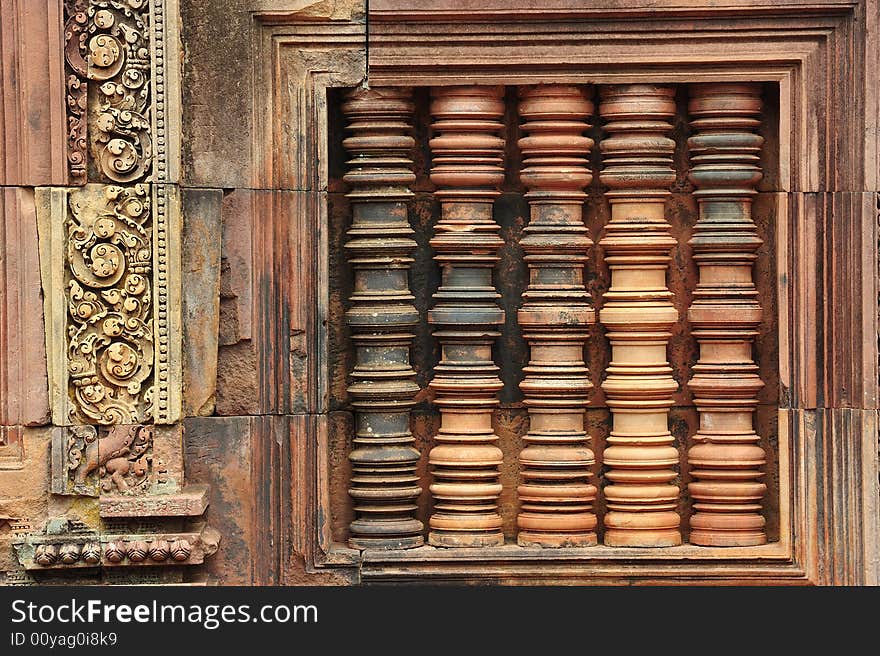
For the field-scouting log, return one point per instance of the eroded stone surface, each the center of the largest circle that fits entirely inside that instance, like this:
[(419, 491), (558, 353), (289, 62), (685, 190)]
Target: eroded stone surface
[(24, 495), (33, 142), (201, 298), (24, 385)]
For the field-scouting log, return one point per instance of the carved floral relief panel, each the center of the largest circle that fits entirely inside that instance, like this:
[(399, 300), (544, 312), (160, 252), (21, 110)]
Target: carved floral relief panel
[(97, 251), (107, 49), (119, 241), (109, 266)]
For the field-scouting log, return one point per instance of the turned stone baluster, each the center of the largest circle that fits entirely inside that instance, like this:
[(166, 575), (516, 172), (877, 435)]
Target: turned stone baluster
[(384, 484), (726, 461), (467, 169), (555, 493), (641, 461)]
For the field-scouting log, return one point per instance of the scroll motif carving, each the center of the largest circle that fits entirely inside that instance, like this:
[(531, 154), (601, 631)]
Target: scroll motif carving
[(107, 42), (726, 460), (467, 169), (110, 333), (76, 71), (384, 482), (555, 493), (642, 495)]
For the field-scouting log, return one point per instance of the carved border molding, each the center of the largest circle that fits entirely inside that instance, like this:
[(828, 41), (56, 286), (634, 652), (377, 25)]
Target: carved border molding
[(85, 550), (828, 416), (167, 272)]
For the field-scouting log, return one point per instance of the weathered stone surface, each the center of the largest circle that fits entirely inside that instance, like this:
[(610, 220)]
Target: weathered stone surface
[(264, 526), (168, 458), (24, 494), (11, 447), (237, 381), (236, 278), (219, 452), (219, 90), (200, 298), (268, 353), (24, 387), (236, 378), (33, 140)]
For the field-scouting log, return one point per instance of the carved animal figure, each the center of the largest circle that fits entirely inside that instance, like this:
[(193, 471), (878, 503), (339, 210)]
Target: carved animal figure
[(119, 468), (121, 452)]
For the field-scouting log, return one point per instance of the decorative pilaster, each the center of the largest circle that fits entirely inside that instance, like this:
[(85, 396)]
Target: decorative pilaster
[(61, 548), (384, 484), (111, 268), (638, 313), (467, 170), (556, 494), (119, 241), (725, 459)]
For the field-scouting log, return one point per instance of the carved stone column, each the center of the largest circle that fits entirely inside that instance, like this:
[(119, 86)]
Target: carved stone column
[(384, 484), (467, 170), (726, 461), (638, 313), (555, 492)]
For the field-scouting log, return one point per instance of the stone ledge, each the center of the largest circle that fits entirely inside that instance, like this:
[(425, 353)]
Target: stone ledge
[(191, 501)]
